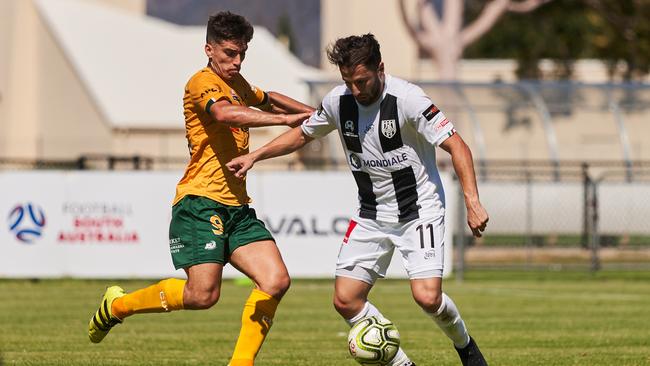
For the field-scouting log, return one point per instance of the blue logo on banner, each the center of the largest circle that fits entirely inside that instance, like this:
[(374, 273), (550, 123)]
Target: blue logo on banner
[(26, 222)]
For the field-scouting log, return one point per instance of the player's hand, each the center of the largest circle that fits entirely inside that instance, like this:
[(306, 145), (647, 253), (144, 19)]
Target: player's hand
[(240, 165), (294, 120), (477, 218)]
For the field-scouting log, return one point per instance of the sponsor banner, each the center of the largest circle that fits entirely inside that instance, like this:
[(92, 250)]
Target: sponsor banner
[(115, 224)]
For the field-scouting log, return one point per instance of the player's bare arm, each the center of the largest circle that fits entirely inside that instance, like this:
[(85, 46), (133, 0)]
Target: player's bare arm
[(284, 104), (461, 157), (284, 144), (239, 116)]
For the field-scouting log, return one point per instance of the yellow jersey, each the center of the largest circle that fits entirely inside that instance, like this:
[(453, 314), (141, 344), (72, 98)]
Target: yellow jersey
[(212, 144)]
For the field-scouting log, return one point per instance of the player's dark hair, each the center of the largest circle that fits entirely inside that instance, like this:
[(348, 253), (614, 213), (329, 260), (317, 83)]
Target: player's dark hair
[(355, 50), (226, 26)]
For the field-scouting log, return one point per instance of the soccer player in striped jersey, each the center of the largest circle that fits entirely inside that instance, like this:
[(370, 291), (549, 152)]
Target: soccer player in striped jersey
[(389, 129), (212, 223)]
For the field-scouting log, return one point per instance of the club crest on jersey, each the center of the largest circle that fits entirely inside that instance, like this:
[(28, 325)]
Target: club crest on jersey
[(388, 128), (234, 96)]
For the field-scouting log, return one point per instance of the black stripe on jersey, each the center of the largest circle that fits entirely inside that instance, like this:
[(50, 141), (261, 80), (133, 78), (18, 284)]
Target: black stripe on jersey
[(406, 194), (389, 133), (367, 196), (349, 118), (430, 112)]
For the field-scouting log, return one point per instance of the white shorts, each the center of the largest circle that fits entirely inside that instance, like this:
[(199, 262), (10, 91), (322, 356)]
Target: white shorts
[(368, 247)]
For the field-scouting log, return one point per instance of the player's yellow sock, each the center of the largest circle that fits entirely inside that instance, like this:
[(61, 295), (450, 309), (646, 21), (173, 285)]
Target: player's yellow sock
[(166, 295), (256, 321)]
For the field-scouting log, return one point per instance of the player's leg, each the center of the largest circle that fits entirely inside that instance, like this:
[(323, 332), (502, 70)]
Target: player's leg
[(441, 308), (421, 244), (200, 291), (195, 247), (364, 246), (427, 293), (255, 254)]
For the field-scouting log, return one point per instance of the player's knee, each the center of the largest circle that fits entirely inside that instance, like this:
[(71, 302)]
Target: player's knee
[(205, 299), (347, 307), (430, 301), (276, 285)]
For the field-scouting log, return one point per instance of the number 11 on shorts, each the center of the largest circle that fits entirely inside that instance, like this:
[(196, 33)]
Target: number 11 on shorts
[(421, 229)]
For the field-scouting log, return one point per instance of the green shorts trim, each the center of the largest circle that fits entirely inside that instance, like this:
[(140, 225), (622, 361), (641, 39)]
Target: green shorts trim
[(206, 231)]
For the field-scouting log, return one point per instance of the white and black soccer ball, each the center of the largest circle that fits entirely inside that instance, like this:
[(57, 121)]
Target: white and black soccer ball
[(373, 340)]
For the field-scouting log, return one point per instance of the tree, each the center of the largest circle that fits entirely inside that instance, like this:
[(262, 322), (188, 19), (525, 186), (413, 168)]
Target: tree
[(443, 38), (560, 32), (623, 34)]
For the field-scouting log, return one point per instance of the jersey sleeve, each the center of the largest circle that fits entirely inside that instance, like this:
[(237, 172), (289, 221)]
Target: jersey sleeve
[(204, 90), (258, 98), (428, 120), (321, 122)]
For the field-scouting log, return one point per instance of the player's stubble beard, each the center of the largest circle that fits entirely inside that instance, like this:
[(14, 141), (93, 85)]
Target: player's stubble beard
[(377, 90)]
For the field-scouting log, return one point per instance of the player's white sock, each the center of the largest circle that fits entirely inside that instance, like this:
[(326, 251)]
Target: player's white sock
[(370, 310), (448, 319)]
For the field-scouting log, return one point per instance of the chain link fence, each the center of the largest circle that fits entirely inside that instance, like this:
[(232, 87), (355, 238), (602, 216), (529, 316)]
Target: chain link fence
[(571, 215)]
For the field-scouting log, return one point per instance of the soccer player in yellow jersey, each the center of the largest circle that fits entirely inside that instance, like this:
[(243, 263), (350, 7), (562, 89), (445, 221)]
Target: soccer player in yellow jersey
[(212, 223)]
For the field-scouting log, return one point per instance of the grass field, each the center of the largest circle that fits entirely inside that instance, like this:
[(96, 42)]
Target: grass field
[(518, 318)]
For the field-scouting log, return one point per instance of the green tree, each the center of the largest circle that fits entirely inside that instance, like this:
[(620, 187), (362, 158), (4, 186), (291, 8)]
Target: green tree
[(622, 35), (617, 32), (558, 32)]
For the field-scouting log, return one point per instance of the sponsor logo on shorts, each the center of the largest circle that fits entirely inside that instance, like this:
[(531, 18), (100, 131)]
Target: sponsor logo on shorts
[(217, 225), (175, 245), (430, 254), (211, 245)]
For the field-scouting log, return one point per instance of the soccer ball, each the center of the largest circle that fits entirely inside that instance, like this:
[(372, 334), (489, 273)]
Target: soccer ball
[(373, 340)]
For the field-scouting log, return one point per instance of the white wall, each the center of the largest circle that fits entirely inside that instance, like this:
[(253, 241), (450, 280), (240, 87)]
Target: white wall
[(307, 211)]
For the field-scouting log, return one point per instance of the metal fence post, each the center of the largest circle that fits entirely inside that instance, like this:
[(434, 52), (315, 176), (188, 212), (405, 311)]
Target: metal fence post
[(584, 240), (595, 238), (529, 220)]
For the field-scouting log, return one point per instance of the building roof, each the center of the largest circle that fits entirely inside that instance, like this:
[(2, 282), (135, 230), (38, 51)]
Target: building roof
[(135, 67)]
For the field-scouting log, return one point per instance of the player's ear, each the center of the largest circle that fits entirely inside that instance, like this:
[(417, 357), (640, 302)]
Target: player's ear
[(380, 67), (208, 50)]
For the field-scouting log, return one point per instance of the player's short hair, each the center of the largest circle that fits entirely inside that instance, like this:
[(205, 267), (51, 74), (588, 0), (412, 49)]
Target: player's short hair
[(355, 50), (226, 26)]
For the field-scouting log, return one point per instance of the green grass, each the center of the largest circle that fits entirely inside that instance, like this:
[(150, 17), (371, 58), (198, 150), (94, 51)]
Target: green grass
[(518, 318), (564, 240)]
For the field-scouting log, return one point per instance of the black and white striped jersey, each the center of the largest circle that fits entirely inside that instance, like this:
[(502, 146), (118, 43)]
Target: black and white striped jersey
[(390, 147)]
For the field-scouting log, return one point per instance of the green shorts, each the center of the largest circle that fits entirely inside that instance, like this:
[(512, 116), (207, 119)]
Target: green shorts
[(206, 231)]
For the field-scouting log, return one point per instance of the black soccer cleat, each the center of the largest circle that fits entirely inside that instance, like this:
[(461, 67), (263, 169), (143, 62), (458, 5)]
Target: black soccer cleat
[(471, 355)]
